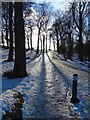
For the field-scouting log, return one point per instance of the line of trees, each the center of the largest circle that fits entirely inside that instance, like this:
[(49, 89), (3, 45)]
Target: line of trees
[(8, 23), (71, 30), (14, 22)]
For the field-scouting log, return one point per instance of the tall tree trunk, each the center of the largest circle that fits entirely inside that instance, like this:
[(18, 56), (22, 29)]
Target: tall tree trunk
[(57, 43), (43, 43), (46, 42), (31, 39), (69, 50), (54, 44), (88, 50), (10, 58), (28, 43), (79, 25), (2, 33), (20, 54), (27, 40), (2, 38), (38, 41), (50, 42), (80, 47), (64, 50), (7, 34)]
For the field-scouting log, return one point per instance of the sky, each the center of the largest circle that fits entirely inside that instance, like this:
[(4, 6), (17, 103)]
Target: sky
[(57, 4)]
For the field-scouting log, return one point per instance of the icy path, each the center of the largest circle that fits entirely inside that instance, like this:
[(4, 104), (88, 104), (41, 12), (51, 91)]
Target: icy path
[(47, 89), (48, 92), (67, 71)]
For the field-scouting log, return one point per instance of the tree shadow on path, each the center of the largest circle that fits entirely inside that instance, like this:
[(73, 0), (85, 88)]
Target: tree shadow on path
[(41, 110)]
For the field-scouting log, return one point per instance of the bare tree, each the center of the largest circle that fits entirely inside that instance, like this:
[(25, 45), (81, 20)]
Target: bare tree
[(78, 13), (20, 56), (2, 36), (10, 58), (43, 17), (56, 28), (67, 28), (30, 16), (86, 27)]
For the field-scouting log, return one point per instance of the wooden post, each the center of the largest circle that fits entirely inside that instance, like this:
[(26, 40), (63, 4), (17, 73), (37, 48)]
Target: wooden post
[(74, 98)]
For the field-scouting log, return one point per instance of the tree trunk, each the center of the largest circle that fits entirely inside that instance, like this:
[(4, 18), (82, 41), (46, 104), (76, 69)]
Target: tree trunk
[(31, 39), (38, 41), (57, 43), (46, 42), (69, 51), (10, 58), (54, 44), (2, 33), (7, 35), (20, 54), (79, 26), (2, 38), (88, 50), (80, 47), (43, 43), (28, 41), (50, 42)]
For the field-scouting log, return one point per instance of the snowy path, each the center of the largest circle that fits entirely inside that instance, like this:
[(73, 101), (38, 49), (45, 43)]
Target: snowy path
[(67, 71), (51, 89), (47, 89)]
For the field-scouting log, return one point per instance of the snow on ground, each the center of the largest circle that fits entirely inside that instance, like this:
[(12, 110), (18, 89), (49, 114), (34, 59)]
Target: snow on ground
[(8, 101), (77, 64), (83, 81), (47, 88)]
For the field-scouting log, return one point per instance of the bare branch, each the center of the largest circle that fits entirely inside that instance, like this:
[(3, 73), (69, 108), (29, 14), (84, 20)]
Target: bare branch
[(84, 4), (73, 13)]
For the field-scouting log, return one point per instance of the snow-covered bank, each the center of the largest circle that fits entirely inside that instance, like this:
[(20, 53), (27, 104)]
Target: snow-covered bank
[(75, 63)]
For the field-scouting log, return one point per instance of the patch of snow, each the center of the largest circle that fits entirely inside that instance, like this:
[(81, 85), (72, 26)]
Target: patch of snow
[(7, 101), (76, 64)]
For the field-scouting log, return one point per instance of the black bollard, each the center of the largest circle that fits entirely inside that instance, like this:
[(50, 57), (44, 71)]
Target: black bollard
[(74, 98)]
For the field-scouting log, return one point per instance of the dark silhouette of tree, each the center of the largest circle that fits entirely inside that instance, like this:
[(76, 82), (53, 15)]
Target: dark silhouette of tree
[(67, 28), (2, 33), (31, 33), (46, 42), (87, 31), (10, 58), (20, 56), (62, 29), (56, 27), (78, 13), (39, 22), (50, 37), (43, 43)]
